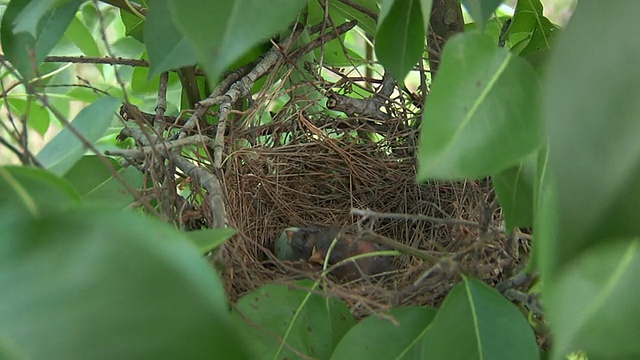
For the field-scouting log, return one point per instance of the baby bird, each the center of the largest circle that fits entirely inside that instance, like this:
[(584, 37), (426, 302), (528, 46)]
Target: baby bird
[(347, 246), (296, 244)]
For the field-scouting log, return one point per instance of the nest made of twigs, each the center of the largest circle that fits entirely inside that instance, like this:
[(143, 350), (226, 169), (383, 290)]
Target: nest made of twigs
[(318, 175)]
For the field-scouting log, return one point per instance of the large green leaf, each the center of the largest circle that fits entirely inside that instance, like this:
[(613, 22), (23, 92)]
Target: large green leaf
[(482, 115), (515, 188), (28, 190), (476, 322), (66, 149), (92, 284), (309, 324), (481, 10), (379, 338), (594, 151), (593, 304), (221, 32), (400, 37), (26, 45), (96, 184), (167, 47)]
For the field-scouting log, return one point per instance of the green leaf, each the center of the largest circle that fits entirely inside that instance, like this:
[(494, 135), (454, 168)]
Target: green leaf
[(307, 323), (481, 10), (37, 116), (24, 50), (514, 188), (400, 38), (530, 31), (379, 338), (221, 32), (594, 150), (96, 184), (32, 13), (593, 304), (78, 34), (167, 47), (426, 6), (141, 82), (134, 25), (482, 115), (348, 13), (91, 283), (63, 151), (476, 322), (208, 239), (28, 190)]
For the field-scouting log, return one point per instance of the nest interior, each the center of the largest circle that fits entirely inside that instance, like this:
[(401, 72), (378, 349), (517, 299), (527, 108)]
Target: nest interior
[(311, 169)]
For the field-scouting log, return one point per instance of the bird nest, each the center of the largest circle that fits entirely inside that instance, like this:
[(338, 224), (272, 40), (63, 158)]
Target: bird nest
[(327, 171)]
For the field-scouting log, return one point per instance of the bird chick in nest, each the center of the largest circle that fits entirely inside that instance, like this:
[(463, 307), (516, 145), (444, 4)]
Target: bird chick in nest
[(314, 245)]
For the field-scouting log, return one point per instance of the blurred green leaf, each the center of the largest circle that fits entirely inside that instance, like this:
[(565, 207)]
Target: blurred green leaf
[(593, 304), (142, 83), (481, 10), (24, 50), (477, 322), (28, 19), (134, 25), (377, 337), (64, 150), (594, 153), (514, 188), (308, 323), (91, 283), (28, 190), (209, 239), (400, 37), (348, 13), (37, 116), (96, 184), (167, 47), (221, 32), (78, 33), (426, 6), (482, 114)]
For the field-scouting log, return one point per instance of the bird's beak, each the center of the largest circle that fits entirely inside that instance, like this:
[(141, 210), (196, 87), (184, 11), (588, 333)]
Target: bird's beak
[(316, 257), (290, 232)]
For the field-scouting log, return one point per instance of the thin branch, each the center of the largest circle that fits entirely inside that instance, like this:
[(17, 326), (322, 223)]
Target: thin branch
[(162, 147), (410, 217)]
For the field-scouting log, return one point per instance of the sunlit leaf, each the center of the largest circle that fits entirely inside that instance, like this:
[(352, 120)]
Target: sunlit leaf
[(477, 322), (377, 337), (221, 32), (308, 323), (482, 115), (400, 37), (66, 149), (209, 239)]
